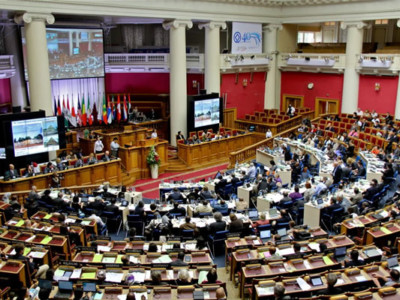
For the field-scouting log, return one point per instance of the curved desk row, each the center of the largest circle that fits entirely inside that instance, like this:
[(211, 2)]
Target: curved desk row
[(86, 175)]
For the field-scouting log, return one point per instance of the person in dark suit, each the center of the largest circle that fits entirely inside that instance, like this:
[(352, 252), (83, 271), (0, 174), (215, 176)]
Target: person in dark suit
[(333, 205), (112, 208), (285, 198), (46, 197), (236, 225), (175, 195), (139, 209), (234, 180), (331, 279), (218, 225), (205, 193), (388, 173), (337, 173), (106, 156), (330, 127), (180, 136), (11, 173), (263, 185), (179, 262), (177, 209), (97, 204), (220, 186), (372, 190), (59, 202), (354, 261)]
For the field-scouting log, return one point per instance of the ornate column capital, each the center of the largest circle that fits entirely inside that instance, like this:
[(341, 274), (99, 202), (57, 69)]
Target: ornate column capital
[(175, 24), (356, 24), (212, 25), (29, 17), (272, 27)]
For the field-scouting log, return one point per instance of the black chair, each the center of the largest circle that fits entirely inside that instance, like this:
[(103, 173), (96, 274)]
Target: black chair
[(187, 234), (218, 240), (112, 219), (135, 221)]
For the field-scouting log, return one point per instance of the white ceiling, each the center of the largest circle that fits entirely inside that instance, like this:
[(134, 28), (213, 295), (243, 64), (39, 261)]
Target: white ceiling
[(285, 2)]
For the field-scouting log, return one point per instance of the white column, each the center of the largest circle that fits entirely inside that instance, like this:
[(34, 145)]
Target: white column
[(77, 39), (89, 41), (212, 56), (397, 109), (70, 43), (177, 75), (38, 60), (17, 82), (271, 97), (351, 77)]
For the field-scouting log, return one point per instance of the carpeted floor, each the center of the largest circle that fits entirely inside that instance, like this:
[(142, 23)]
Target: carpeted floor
[(149, 187)]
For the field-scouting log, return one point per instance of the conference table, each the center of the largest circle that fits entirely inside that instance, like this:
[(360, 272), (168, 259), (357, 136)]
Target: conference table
[(264, 156), (374, 166)]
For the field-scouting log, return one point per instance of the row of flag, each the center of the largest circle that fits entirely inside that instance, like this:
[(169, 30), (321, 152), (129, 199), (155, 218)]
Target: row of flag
[(86, 114)]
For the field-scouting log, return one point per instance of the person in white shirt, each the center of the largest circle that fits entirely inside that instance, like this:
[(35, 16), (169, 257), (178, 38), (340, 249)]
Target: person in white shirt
[(114, 147), (291, 110), (268, 134), (360, 113), (98, 146), (374, 114), (154, 134), (95, 217)]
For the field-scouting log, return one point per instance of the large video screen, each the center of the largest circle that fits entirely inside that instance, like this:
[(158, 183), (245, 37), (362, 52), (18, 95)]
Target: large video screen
[(73, 53), (206, 112), (35, 136)]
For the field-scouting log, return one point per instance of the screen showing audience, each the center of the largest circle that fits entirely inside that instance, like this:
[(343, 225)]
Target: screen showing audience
[(206, 112), (35, 136), (73, 53)]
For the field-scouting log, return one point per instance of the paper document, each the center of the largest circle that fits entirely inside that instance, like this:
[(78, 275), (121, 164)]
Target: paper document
[(114, 277), (109, 260), (202, 276), (163, 259), (385, 230), (140, 296), (138, 276), (76, 274), (360, 278), (314, 246), (133, 259), (303, 285), (103, 248), (269, 290), (327, 260), (286, 251)]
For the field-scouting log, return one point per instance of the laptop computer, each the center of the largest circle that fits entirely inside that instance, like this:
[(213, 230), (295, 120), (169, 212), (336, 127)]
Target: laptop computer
[(340, 253), (89, 287), (316, 281), (372, 252), (84, 199), (282, 232), (253, 214), (64, 289), (393, 263), (265, 235), (273, 213)]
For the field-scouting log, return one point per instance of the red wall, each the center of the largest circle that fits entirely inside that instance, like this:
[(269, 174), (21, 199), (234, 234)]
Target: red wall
[(147, 83), (382, 101), (247, 99), (325, 86), (5, 90)]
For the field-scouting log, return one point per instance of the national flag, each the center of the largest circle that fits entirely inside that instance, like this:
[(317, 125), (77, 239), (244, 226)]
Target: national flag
[(79, 117), (93, 116), (69, 110), (55, 106), (73, 114), (64, 108), (113, 108), (109, 113), (89, 112), (58, 107), (100, 106), (84, 116), (118, 110), (105, 109), (124, 110), (129, 104)]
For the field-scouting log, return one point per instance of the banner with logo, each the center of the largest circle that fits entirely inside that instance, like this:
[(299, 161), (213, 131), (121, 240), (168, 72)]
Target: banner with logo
[(246, 38)]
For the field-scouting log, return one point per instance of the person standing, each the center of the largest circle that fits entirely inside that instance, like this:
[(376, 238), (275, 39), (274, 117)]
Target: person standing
[(98, 146), (114, 147)]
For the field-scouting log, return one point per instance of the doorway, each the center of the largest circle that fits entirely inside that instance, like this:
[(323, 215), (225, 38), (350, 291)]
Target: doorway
[(326, 106), (293, 100)]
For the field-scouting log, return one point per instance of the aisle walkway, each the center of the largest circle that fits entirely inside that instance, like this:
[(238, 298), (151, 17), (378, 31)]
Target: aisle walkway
[(149, 187)]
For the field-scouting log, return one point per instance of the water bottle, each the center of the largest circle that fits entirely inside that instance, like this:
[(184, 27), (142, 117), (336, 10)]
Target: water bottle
[(236, 166)]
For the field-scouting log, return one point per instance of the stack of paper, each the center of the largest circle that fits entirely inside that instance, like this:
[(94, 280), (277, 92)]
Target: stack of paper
[(114, 277), (58, 274), (133, 259), (138, 276), (140, 296), (303, 285), (163, 259), (269, 290), (103, 248), (76, 274)]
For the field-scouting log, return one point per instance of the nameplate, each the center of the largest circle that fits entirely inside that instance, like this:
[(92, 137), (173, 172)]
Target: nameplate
[(69, 263)]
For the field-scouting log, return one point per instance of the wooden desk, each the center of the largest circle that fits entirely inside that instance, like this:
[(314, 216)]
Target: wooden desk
[(380, 235), (86, 175), (213, 152), (134, 158)]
